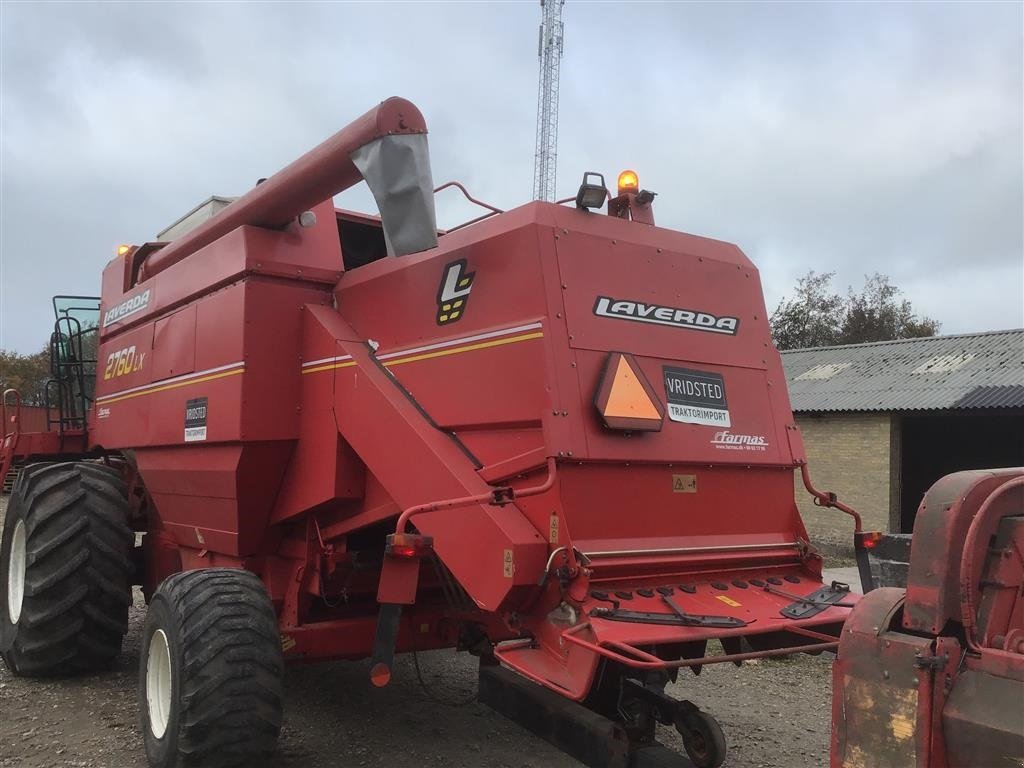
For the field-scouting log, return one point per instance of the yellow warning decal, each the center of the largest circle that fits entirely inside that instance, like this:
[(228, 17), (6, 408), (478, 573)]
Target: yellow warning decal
[(508, 564), (684, 483), (287, 643), (728, 601)]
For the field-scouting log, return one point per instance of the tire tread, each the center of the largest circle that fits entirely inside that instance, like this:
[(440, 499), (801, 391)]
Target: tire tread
[(78, 569), (231, 671)]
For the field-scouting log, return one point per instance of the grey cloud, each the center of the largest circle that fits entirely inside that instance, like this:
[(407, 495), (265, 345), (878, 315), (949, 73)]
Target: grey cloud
[(853, 137)]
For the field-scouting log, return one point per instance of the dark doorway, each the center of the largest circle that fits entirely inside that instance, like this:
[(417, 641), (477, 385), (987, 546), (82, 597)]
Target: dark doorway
[(937, 444)]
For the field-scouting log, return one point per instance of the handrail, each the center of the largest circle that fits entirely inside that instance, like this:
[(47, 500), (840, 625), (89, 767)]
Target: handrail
[(860, 552), (828, 498), (67, 364), (499, 496), (634, 657), (48, 385), (458, 185), (667, 552)]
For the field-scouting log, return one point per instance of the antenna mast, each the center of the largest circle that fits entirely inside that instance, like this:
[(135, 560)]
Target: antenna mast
[(549, 51)]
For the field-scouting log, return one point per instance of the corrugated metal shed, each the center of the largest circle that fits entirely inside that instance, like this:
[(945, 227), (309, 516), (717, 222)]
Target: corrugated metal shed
[(980, 370)]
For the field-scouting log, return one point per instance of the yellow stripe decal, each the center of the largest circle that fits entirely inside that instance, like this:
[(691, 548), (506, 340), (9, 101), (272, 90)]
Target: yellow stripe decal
[(438, 353), (467, 348), (174, 385), (328, 367)]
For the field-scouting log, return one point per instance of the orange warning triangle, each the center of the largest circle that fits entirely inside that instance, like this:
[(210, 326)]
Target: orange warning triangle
[(628, 398)]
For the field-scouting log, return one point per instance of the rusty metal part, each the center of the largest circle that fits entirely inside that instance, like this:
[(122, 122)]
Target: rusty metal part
[(940, 529), (981, 720), (905, 691), (1006, 500)]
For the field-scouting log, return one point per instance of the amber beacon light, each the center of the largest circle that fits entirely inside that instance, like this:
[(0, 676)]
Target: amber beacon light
[(628, 182)]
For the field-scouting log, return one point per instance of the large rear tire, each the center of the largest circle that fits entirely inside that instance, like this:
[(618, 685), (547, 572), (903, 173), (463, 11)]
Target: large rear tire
[(210, 667), (64, 570)]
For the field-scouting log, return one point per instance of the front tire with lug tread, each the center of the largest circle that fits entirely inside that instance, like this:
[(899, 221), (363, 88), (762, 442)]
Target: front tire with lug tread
[(65, 569), (210, 670)]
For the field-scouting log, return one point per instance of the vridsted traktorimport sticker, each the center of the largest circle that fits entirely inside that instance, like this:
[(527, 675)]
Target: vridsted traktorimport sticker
[(696, 397), (195, 420)]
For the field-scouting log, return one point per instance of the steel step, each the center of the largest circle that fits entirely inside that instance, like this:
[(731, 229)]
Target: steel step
[(10, 478)]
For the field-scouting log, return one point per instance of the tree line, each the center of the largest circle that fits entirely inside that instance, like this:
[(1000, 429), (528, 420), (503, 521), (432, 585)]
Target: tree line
[(818, 316), (25, 373)]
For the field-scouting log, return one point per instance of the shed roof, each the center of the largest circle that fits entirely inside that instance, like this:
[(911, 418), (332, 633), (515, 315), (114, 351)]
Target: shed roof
[(976, 370)]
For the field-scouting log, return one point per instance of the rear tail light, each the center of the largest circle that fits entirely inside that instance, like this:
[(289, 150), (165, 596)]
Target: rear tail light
[(380, 675), (409, 545), (869, 539)]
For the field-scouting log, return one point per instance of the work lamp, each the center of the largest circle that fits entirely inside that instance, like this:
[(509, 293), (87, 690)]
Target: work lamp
[(591, 195)]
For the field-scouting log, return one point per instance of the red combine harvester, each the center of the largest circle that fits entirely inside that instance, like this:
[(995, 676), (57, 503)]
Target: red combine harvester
[(557, 439)]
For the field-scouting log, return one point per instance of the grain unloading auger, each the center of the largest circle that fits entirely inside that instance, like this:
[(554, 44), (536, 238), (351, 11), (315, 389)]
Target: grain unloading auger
[(558, 439)]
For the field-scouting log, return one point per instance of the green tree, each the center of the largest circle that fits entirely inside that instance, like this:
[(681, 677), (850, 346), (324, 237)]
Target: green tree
[(812, 318), (878, 313), (25, 373), (817, 316)]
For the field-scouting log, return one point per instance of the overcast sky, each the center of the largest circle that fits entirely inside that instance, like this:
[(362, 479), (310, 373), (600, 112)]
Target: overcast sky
[(847, 137)]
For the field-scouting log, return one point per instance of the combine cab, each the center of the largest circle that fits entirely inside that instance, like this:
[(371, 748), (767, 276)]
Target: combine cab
[(558, 438)]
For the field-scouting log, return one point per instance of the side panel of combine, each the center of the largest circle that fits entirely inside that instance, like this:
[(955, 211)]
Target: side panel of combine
[(191, 381), (690, 313), (487, 373)]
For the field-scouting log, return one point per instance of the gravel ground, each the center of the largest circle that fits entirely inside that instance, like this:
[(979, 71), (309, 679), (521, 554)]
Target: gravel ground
[(775, 715)]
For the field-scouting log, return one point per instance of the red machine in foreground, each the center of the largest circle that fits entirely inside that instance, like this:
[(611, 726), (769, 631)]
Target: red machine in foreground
[(933, 676), (558, 439)]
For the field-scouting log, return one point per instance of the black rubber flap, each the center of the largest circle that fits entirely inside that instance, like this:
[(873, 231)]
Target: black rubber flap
[(670, 619), (814, 603)]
